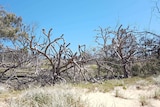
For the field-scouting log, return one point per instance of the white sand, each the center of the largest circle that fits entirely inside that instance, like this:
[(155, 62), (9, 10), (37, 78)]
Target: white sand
[(128, 98)]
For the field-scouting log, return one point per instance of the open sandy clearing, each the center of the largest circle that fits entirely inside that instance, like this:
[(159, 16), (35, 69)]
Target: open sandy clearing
[(130, 97)]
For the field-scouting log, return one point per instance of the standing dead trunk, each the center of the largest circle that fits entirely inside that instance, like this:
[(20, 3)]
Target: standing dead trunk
[(125, 72)]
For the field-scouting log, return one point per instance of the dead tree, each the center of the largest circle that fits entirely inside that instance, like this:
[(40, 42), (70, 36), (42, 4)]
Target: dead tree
[(102, 39), (125, 46), (117, 49), (57, 53)]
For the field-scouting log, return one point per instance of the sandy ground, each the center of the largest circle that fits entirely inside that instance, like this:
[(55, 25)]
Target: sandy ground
[(130, 97), (2, 104)]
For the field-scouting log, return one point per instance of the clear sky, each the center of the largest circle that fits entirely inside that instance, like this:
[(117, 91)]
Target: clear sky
[(77, 19)]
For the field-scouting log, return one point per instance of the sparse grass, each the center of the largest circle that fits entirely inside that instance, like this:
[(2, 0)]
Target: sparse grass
[(117, 93), (69, 95), (156, 94), (109, 85), (5, 91), (143, 101), (57, 96), (142, 82), (105, 87), (93, 67), (120, 93), (157, 80), (2, 69), (2, 88)]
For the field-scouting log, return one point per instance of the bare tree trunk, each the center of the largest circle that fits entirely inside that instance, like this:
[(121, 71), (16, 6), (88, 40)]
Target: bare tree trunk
[(98, 68), (158, 53), (125, 71)]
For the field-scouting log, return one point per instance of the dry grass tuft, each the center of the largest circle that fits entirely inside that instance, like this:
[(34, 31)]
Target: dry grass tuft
[(143, 101), (120, 93), (157, 80), (57, 96), (156, 94)]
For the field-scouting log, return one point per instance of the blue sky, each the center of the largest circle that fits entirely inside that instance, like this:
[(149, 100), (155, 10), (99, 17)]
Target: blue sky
[(77, 19)]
